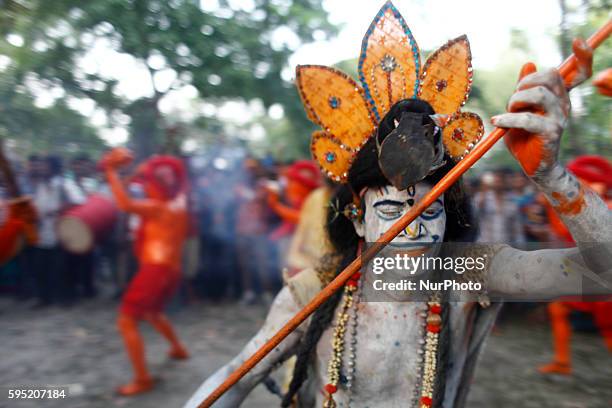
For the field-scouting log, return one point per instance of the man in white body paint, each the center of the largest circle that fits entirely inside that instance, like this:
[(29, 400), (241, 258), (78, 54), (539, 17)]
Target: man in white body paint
[(398, 352)]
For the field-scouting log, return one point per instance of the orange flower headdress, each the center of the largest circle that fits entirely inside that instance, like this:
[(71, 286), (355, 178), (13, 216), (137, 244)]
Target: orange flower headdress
[(389, 70)]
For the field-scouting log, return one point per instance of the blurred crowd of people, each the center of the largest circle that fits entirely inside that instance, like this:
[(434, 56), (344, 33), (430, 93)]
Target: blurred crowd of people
[(509, 209), (45, 271), (243, 221)]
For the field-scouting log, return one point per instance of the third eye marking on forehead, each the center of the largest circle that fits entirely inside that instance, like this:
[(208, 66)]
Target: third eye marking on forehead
[(381, 191), (411, 191)]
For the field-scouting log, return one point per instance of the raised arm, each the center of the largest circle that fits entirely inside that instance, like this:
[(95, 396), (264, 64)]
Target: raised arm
[(538, 113), (286, 212), (283, 308), (111, 161)]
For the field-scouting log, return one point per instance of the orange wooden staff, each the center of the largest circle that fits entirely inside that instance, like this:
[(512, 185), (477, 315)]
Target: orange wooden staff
[(565, 69)]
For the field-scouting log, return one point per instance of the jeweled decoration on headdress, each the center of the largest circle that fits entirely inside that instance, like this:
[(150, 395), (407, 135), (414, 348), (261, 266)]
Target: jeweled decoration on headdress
[(390, 70)]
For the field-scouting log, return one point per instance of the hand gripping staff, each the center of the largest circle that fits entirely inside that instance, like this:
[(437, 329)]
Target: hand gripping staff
[(566, 69)]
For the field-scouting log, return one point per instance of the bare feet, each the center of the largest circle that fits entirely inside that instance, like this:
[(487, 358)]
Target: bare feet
[(136, 387), (556, 368), (178, 353)]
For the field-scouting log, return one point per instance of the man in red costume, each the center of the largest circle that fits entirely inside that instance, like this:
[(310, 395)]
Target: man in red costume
[(302, 178), (164, 218), (17, 227), (596, 172)]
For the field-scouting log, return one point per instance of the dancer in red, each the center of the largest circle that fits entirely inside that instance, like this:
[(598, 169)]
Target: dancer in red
[(302, 178), (18, 228), (158, 249), (18, 217)]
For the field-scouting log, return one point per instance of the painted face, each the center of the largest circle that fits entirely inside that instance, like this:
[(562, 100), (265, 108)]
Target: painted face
[(163, 184), (384, 206)]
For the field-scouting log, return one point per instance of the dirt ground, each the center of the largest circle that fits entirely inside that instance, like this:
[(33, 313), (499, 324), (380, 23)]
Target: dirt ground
[(79, 347)]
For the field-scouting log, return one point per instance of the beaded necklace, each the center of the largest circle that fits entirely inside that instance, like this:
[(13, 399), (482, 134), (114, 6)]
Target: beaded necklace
[(427, 353)]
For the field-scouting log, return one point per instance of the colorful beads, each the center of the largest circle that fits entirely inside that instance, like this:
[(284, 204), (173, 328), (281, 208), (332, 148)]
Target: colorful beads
[(334, 102), (353, 212), (354, 280), (330, 388), (441, 85), (428, 376), (335, 364), (388, 63), (434, 319), (458, 134), (432, 328)]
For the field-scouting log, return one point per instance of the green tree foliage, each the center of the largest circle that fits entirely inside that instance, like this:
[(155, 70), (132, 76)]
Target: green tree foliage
[(56, 129), (229, 51), (590, 126), (592, 119)]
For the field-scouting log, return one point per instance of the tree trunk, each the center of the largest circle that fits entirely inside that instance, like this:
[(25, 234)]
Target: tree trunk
[(145, 128)]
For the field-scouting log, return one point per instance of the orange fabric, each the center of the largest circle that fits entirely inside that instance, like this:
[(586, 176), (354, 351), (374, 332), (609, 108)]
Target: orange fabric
[(592, 169), (150, 290), (601, 311), (11, 238), (18, 229), (22, 209)]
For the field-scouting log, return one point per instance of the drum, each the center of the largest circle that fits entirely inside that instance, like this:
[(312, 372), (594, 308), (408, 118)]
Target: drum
[(82, 226)]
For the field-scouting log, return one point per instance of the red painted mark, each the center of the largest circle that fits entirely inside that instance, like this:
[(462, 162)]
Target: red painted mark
[(441, 85), (569, 207), (457, 135), (527, 148)]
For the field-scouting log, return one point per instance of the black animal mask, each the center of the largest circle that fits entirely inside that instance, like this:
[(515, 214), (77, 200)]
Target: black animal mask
[(411, 151)]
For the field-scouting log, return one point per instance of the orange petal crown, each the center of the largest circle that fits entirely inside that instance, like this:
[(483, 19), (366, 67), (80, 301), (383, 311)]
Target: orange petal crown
[(390, 61), (446, 79), (389, 71), (462, 131)]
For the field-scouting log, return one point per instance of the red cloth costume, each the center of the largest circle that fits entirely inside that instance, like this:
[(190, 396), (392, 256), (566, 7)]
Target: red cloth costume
[(150, 290), (18, 229), (596, 172), (303, 177), (164, 227)]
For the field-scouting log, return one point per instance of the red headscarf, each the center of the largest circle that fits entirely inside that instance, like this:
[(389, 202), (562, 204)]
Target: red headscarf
[(149, 174), (592, 169)]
